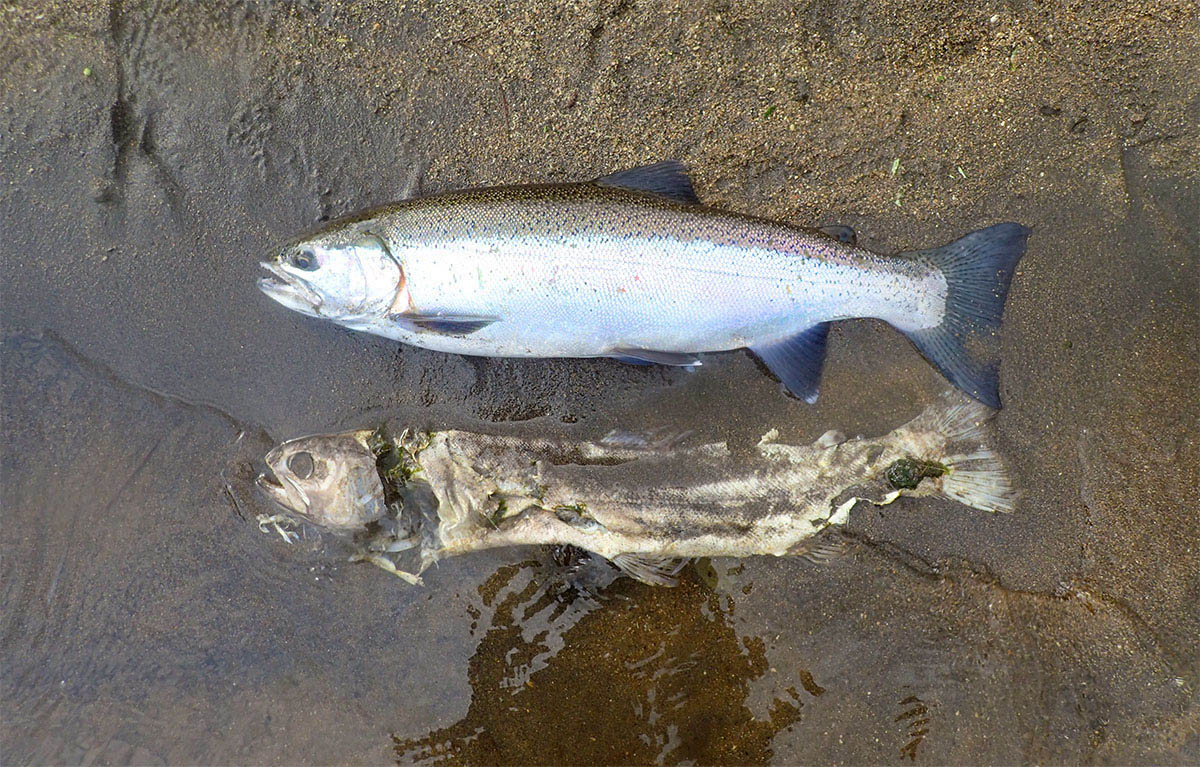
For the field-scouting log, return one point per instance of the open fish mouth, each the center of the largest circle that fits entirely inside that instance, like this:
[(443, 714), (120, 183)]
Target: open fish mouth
[(269, 485), (287, 496), (290, 291)]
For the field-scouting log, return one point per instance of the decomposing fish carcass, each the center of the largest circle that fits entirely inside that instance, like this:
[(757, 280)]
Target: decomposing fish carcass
[(645, 504)]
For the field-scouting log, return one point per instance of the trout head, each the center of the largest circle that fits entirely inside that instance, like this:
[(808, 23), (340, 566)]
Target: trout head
[(342, 273), (329, 480)]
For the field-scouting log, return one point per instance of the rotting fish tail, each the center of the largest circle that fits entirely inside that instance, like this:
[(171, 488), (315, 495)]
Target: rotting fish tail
[(980, 481), (952, 442)]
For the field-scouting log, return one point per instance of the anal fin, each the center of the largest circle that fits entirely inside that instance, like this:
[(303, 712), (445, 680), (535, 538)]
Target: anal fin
[(649, 568), (630, 360), (798, 360)]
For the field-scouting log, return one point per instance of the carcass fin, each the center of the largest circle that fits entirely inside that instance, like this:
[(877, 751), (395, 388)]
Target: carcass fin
[(820, 550), (650, 569), (974, 473), (659, 439)]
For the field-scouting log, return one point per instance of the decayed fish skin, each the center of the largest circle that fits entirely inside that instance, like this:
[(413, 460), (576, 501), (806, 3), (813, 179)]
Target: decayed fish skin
[(645, 506), (630, 266)]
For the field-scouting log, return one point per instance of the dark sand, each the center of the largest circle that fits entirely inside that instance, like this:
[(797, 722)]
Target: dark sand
[(150, 151)]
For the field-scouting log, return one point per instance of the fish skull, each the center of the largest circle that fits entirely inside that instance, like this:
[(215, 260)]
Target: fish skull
[(329, 480)]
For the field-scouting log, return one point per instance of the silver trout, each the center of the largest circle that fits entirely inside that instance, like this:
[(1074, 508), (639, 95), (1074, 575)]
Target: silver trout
[(631, 266), (643, 505)]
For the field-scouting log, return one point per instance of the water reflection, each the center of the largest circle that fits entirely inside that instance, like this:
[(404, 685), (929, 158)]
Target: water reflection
[(609, 673)]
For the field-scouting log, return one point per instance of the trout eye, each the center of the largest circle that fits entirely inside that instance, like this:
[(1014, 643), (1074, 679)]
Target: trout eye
[(305, 260)]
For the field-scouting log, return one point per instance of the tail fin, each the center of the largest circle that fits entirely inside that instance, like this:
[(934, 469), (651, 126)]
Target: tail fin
[(953, 435), (978, 269)]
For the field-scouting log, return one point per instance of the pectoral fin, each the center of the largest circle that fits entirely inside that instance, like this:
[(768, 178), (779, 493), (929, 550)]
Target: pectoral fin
[(446, 324), (650, 569), (798, 360)]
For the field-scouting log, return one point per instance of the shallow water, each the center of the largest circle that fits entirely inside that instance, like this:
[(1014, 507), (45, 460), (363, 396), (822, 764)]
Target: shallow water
[(149, 152)]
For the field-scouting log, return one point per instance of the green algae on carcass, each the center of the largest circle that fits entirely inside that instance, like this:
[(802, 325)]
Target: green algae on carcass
[(396, 467), (906, 473)]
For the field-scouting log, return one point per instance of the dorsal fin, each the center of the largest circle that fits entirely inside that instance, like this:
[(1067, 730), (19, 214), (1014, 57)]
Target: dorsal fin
[(666, 179)]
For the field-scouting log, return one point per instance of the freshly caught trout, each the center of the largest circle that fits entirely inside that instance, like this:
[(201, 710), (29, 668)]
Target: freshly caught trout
[(631, 266), (646, 506)]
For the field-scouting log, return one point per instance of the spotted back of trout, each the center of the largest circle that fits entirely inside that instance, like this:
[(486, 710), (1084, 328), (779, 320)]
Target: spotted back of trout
[(631, 266)]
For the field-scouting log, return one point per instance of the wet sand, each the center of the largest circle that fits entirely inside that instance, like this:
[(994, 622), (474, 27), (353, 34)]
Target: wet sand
[(150, 152)]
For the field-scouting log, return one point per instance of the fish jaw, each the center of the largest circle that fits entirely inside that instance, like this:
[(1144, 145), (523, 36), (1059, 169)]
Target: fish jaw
[(285, 494), (342, 275), (285, 289)]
